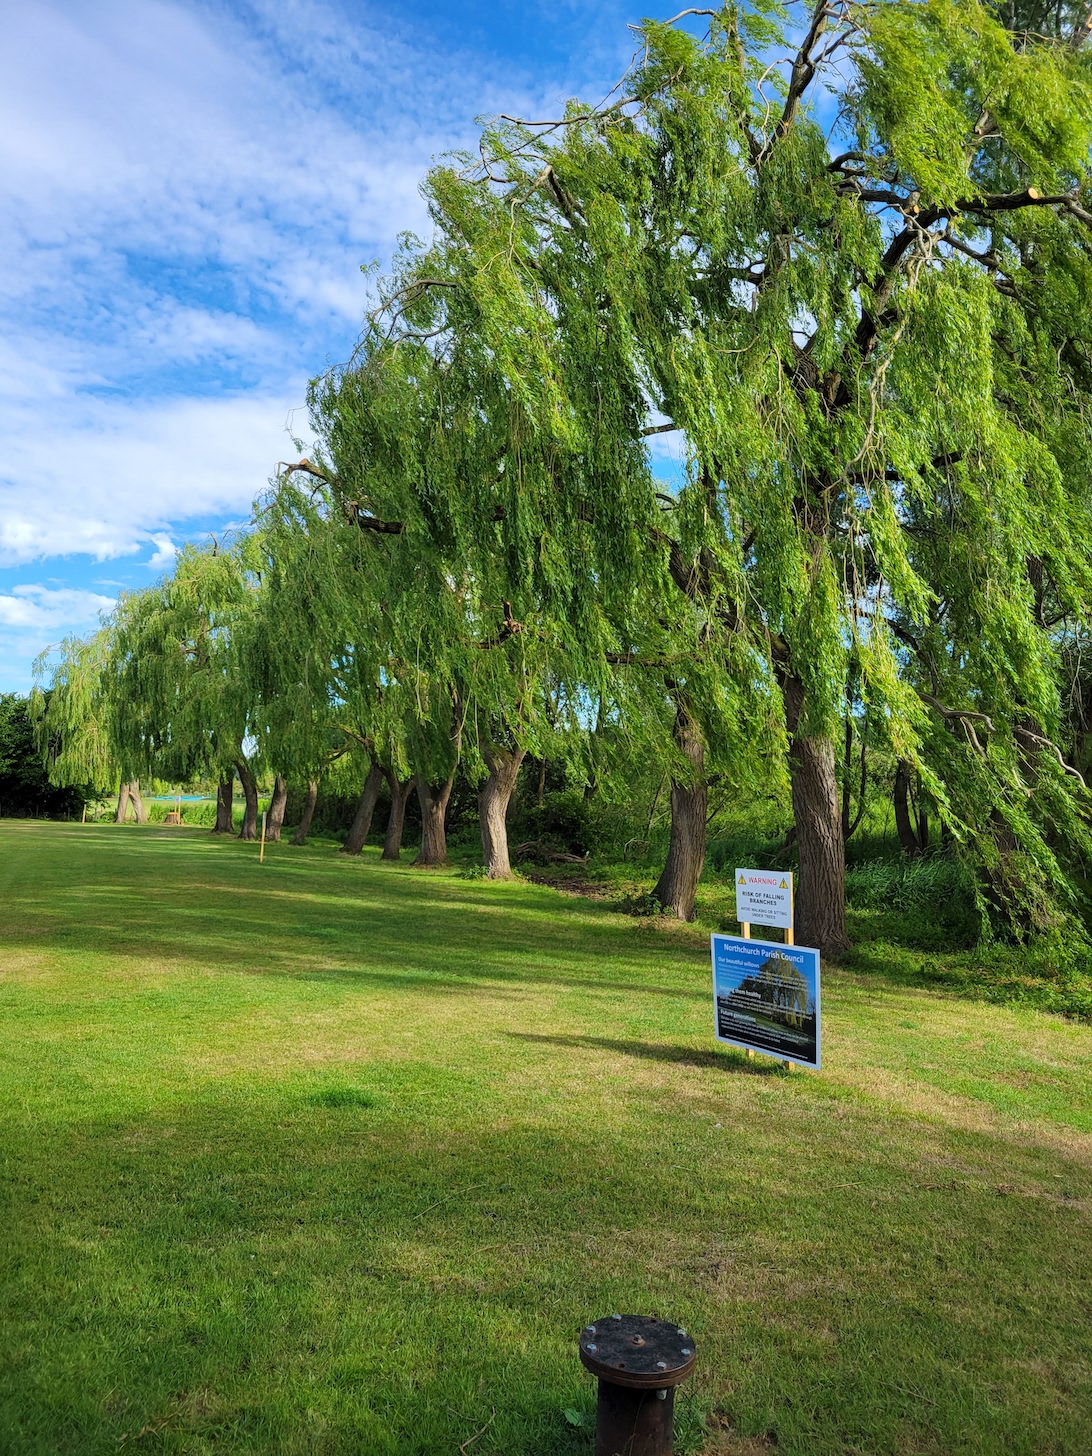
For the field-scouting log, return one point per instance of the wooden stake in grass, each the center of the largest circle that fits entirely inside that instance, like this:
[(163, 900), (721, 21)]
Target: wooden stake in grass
[(261, 852), (745, 932)]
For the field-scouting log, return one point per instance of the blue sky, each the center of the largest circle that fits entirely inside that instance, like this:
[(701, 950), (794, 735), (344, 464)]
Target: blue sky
[(188, 192)]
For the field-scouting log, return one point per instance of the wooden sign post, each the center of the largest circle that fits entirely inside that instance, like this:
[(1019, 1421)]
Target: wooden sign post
[(765, 897), (261, 852)]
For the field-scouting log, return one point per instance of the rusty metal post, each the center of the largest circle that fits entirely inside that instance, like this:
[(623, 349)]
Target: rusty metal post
[(638, 1361)]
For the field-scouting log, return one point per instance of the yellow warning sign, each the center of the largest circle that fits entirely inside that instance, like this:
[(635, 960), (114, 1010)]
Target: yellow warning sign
[(784, 884), (742, 880)]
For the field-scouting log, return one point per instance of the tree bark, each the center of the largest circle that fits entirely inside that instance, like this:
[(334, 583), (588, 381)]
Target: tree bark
[(904, 824), (304, 826), (433, 799), (249, 828), (275, 821), (678, 885), (849, 820), (392, 843), (123, 802), (139, 812), (224, 793), (362, 819), (820, 908), (493, 800)]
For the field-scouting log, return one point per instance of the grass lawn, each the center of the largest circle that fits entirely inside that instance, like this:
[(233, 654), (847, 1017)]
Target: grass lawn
[(328, 1156)]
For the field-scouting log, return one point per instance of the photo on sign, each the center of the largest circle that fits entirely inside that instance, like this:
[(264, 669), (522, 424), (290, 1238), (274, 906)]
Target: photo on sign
[(767, 997)]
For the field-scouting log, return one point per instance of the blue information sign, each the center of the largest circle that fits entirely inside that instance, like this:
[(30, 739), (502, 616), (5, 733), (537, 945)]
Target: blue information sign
[(766, 997)]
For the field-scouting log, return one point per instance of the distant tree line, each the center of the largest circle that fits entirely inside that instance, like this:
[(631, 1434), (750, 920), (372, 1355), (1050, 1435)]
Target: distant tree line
[(26, 788)]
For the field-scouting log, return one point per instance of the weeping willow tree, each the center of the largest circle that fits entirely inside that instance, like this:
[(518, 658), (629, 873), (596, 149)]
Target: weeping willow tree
[(180, 676), (857, 286), (410, 649), (72, 722)]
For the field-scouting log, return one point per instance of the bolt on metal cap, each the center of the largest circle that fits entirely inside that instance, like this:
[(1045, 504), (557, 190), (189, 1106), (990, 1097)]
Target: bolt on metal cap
[(638, 1352)]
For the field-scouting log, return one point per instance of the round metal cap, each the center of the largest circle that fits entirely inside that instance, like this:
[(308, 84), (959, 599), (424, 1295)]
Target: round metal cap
[(636, 1351)]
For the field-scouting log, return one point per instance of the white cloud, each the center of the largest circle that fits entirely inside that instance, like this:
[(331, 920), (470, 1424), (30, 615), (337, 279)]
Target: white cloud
[(165, 550), (51, 609), (35, 617), (111, 475)]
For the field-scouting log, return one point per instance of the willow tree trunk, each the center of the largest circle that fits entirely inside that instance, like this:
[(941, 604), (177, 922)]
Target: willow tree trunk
[(304, 826), (225, 791), (820, 899), (493, 799), (362, 819), (392, 842), (123, 802), (913, 840), (678, 885), (139, 812), (275, 821), (433, 799), (249, 829)]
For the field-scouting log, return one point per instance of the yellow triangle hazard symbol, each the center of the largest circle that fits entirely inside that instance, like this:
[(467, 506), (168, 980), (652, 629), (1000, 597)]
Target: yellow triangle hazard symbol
[(741, 880), (784, 884)]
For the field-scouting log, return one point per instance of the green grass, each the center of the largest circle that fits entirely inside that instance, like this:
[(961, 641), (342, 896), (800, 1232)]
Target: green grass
[(328, 1156)]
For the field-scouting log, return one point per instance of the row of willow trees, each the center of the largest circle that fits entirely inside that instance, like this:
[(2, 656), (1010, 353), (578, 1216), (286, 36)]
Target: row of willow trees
[(855, 287)]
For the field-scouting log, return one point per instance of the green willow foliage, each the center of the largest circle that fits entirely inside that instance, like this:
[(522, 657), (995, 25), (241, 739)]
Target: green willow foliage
[(878, 362), (71, 720), (181, 667)]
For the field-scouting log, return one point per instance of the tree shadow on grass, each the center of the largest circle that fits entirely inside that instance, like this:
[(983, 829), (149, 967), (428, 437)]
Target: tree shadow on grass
[(680, 1056)]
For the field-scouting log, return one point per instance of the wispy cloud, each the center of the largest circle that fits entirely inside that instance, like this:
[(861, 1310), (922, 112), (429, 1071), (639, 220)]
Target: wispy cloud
[(111, 475), (42, 607)]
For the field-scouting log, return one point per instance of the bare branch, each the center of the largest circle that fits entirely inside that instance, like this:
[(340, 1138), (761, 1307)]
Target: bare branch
[(1010, 201), (1038, 738), (988, 260), (304, 465), (1081, 32), (510, 629), (682, 13), (938, 462), (964, 717), (839, 162), (571, 120), (907, 204), (371, 523), (803, 70), (1079, 212)]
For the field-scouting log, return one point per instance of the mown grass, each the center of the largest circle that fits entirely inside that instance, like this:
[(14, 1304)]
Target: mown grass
[(327, 1156)]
